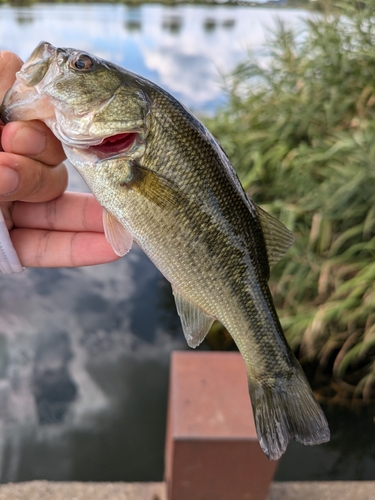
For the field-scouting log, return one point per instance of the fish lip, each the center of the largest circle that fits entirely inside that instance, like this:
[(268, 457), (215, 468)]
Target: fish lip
[(35, 68), (5, 111), (85, 142), (28, 78)]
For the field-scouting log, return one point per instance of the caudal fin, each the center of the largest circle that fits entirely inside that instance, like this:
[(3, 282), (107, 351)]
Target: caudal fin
[(285, 410)]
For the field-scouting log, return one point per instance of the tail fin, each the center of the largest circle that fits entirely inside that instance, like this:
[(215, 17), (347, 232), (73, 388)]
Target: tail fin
[(284, 410)]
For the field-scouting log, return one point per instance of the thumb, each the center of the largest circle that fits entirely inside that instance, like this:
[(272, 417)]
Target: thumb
[(9, 64)]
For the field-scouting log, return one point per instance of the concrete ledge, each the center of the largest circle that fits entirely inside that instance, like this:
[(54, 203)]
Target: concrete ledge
[(323, 490), (47, 490)]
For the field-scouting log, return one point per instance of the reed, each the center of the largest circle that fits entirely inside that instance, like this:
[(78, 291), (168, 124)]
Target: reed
[(299, 128)]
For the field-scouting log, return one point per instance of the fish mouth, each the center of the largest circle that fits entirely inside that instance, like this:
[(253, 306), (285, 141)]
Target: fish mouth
[(116, 145)]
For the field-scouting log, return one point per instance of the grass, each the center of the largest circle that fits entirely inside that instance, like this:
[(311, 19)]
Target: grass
[(299, 128)]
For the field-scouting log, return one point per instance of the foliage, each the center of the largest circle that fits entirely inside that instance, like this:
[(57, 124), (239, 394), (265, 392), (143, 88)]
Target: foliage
[(299, 128)]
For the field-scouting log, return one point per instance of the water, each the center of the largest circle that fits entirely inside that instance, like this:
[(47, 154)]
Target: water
[(84, 353), (186, 49)]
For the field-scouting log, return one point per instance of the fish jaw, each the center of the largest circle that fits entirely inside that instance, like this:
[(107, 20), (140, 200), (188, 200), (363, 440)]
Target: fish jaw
[(35, 68)]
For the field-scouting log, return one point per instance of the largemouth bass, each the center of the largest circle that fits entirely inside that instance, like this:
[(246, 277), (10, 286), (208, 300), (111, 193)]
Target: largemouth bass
[(166, 183)]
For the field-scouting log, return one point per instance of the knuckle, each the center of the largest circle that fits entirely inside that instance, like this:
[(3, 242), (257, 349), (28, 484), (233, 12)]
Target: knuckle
[(46, 183), (42, 248), (37, 182)]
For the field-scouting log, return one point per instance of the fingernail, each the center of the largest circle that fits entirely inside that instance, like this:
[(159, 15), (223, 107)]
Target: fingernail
[(28, 141), (9, 180)]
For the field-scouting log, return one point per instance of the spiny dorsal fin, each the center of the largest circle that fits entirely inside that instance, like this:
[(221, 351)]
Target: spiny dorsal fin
[(278, 238), (195, 322), (119, 237)]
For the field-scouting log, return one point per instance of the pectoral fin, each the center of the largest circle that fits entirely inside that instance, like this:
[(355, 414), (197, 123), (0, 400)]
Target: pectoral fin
[(278, 238), (119, 238), (195, 322), (153, 186)]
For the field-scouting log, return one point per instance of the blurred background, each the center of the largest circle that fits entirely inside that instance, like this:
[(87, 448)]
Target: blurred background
[(288, 88)]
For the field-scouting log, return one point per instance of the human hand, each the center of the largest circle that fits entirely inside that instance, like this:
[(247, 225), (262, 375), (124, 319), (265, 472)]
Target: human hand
[(64, 232), (47, 228)]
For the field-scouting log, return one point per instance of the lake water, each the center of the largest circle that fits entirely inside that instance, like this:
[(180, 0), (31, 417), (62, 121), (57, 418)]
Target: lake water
[(84, 353), (186, 49)]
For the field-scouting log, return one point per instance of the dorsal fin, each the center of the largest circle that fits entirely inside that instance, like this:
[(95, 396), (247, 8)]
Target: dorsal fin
[(195, 322), (278, 238)]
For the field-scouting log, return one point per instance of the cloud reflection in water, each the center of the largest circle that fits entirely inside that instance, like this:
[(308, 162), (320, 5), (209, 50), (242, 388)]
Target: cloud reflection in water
[(184, 48)]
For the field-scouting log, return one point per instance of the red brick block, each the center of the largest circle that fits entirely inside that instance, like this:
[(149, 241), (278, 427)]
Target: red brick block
[(212, 450)]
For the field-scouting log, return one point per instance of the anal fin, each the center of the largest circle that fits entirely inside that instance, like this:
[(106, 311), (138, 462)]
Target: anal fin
[(195, 322)]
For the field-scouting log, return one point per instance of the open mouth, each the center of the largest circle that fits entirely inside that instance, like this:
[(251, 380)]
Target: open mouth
[(119, 143)]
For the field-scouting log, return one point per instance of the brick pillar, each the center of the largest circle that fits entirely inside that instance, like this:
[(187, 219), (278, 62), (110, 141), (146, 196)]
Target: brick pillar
[(212, 450)]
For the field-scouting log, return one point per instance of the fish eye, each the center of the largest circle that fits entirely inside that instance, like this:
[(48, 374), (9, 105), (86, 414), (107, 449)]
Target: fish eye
[(82, 62)]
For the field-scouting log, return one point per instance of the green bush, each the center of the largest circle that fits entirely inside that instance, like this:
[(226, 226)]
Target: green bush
[(299, 128)]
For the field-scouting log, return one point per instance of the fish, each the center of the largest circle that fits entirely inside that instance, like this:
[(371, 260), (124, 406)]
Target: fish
[(165, 183)]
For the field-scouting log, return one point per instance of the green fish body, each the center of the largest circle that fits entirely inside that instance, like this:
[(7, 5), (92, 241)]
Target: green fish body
[(166, 183)]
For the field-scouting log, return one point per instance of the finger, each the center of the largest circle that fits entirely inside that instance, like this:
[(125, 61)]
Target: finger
[(69, 212), (33, 139), (6, 211), (1, 132), (25, 179), (61, 249), (9, 64)]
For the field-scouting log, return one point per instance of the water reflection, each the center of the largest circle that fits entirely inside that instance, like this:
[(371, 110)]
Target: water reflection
[(229, 23), (133, 20), (209, 25), (52, 384), (101, 383), (172, 23), (185, 48), (24, 18), (349, 456)]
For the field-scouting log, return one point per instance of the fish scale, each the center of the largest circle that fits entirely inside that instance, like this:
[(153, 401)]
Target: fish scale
[(171, 188)]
